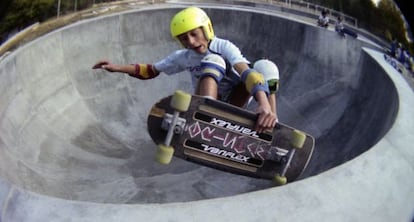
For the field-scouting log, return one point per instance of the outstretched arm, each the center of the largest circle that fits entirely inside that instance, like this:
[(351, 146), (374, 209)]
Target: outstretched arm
[(140, 71), (110, 67)]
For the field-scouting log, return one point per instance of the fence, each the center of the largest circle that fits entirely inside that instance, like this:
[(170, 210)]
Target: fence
[(293, 4), (94, 7)]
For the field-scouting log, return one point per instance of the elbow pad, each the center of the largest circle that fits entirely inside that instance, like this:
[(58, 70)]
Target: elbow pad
[(213, 66), (254, 82), (144, 72)]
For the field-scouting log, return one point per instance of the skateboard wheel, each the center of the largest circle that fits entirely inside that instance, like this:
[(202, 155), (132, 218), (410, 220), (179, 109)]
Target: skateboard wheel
[(280, 180), (180, 101), (164, 154), (298, 139)]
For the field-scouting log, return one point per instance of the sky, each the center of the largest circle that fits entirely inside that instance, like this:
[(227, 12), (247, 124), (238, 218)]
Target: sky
[(375, 1)]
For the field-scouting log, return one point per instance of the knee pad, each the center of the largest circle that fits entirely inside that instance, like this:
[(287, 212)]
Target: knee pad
[(214, 66), (270, 73)]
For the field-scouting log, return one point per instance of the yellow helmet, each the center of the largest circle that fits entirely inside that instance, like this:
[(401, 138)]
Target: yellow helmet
[(189, 19)]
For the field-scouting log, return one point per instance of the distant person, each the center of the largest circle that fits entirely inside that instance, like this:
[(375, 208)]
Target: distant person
[(342, 30), (411, 65), (393, 48), (323, 20), (217, 67), (339, 26), (400, 54), (407, 57)]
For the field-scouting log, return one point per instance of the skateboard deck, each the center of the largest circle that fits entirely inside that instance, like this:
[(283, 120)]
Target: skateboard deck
[(222, 136)]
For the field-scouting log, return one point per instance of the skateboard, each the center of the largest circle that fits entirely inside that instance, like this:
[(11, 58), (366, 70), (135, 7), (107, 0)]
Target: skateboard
[(222, 136)]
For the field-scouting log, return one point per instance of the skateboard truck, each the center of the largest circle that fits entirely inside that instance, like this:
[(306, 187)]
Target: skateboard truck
[(167, 122), (280, 154), (180, 103), (297, 141), (289, 159)]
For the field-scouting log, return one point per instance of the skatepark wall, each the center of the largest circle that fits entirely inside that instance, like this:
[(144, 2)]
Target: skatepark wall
[(73, 141)]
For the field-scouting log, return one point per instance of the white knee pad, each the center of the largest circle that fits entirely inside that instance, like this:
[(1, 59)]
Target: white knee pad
[(214, 66), (270, 73), (267, 68)]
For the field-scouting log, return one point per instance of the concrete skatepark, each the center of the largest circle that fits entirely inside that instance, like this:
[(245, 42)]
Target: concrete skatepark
[(74, 145)]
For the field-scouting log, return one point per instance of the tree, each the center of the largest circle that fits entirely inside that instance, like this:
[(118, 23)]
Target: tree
[(391, 21), (4, 7), (384, 21), (21, 13)]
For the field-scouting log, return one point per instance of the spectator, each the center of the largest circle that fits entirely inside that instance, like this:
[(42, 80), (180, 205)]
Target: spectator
[(411, 68), (323, 20), (406, 56), (393, 48), (400, 54), (339, 26)]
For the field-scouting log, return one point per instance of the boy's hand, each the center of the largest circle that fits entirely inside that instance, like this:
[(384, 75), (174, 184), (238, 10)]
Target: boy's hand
[(105, 64), (267, 119)]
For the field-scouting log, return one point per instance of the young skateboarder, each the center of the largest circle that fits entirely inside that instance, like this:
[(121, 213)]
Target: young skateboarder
[(217, 67)]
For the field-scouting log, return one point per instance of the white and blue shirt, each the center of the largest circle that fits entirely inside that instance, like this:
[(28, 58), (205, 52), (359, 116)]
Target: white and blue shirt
[(189, 60)]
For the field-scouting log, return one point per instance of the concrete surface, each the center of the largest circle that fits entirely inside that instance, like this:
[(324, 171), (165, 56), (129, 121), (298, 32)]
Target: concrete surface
[(74, 146)]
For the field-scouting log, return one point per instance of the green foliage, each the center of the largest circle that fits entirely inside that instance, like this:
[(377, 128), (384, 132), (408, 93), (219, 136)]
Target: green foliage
[(74, 5), (384, 21), (4, 6), (391, 21), (27, 11), (17, 14), (22, 13)]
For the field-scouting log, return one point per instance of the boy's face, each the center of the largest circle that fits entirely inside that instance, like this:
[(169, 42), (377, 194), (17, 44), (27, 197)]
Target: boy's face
[(194, 40)]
